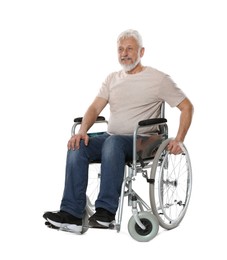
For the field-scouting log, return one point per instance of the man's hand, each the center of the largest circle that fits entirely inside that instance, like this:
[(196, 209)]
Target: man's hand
[(174, 147), (74, 142)]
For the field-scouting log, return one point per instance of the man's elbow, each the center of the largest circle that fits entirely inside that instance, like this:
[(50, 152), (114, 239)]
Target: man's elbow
[(186, 105)]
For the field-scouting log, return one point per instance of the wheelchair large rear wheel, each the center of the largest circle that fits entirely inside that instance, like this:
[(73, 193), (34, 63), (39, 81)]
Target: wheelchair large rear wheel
[(171, 185)]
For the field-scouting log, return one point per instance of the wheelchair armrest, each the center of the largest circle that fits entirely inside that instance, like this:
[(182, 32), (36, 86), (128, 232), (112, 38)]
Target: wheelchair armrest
[(152, 121), (79, 119)]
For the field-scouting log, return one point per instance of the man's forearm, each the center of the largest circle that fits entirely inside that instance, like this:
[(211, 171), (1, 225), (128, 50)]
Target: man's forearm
[(185, 122), (88, 120)]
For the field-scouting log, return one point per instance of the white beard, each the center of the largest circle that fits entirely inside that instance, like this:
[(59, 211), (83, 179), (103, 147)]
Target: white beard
[(130, 67)]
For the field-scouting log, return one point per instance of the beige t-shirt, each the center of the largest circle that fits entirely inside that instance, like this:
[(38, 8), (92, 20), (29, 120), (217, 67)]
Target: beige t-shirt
[(136, 97)]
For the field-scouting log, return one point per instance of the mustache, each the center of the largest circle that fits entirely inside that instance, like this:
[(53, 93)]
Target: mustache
[(125, 58)]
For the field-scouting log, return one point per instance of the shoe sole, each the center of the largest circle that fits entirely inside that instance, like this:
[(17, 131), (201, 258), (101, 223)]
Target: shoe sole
[(100, 224), (66, 226)]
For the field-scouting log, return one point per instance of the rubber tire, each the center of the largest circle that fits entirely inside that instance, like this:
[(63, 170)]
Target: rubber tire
[(151, 223)]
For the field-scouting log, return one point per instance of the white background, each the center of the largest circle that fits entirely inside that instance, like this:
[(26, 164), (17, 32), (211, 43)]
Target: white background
[(54, 56)]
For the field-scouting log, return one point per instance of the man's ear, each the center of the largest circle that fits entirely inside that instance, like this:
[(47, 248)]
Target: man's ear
[(142, 50)]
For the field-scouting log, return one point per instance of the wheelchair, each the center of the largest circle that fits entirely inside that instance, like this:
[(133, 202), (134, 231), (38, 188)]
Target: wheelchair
[(168, 176)]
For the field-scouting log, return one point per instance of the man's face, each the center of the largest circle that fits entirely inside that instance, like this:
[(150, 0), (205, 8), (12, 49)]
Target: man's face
[(129, 53)]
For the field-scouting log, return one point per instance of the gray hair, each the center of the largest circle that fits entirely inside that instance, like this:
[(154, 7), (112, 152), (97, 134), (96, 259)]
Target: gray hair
[(131, 33)]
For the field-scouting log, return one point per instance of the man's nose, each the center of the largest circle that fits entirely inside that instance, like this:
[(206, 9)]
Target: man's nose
[(125, 53)]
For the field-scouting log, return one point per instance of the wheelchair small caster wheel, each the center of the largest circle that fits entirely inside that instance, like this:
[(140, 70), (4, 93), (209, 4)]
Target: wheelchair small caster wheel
[(151, 227)]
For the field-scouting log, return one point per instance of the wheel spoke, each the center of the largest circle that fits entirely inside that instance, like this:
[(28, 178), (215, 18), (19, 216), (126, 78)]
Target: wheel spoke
[(170, 193)]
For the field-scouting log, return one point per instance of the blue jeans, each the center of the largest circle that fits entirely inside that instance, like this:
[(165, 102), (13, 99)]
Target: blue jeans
[(113, 151)]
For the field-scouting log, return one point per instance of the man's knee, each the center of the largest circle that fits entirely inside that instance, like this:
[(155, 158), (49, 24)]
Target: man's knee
[(73, 155)]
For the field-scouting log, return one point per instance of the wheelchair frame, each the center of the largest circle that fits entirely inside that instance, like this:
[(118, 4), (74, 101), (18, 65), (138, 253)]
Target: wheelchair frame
[(170, 185)]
